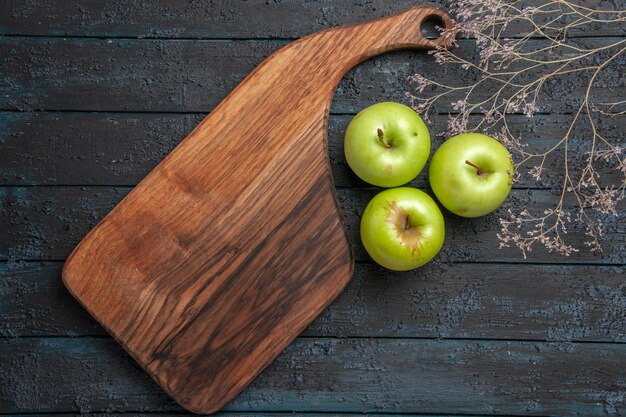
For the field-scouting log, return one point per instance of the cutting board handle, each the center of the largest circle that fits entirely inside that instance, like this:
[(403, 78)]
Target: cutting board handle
[(404, 30), (395, 32), (339, 49)]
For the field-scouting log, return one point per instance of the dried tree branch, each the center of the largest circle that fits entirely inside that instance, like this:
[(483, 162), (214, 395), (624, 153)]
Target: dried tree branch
[(510, 77)]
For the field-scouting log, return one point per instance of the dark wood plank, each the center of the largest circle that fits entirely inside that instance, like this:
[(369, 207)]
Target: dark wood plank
[(352, 375), (194, 76), (240, 414), (538, 302), (69, 71), (219, 18), (34, 301), (87, 148), (46, 223), (121, 148)]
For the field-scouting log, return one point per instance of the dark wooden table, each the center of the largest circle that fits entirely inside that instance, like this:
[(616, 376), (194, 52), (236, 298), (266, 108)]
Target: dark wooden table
[(94, 94)]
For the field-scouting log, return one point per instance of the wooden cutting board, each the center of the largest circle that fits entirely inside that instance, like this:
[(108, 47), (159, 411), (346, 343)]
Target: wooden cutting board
[(234, 243)]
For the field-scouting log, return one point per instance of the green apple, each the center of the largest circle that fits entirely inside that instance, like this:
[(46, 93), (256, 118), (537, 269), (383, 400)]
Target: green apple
[(387, 144), (402, 228), (471, 174)]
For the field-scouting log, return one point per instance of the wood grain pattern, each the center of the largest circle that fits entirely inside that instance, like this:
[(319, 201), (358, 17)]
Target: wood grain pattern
[(234, 243)]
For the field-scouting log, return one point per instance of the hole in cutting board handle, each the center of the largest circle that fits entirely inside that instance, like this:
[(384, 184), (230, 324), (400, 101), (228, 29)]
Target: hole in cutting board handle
[(431, 26)]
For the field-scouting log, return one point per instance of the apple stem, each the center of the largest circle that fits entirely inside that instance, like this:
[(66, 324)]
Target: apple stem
[(478, 171), (407, 225), (381, 138)]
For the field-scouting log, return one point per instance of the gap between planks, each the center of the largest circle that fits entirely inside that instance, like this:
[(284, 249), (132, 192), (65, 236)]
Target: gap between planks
[(266, 414), (364, 262), (398, 338), (332, 113), (241, 39)]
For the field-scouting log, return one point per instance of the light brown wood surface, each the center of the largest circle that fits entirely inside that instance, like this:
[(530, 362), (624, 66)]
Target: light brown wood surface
[(234, 243)]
